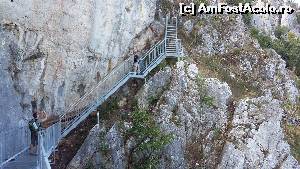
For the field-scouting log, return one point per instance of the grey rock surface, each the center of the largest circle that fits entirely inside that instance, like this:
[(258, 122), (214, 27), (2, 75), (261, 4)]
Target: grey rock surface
[(192, 122), (10, 108), (256, 139), (87, 151), (60, 50), (116, 145)]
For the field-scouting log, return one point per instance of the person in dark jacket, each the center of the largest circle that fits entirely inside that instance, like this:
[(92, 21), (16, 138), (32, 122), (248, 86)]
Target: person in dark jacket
[(34, 126), (136, 66)]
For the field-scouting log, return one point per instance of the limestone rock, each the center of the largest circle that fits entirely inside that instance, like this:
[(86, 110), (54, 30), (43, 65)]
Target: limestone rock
[(219, 91), (59, 50), (154, 87), (183, 114), (116, 146), (87, 151), (256, 139), (188, 26)]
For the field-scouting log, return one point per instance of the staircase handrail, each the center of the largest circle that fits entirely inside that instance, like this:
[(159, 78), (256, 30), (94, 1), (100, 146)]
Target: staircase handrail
[(93, 89)]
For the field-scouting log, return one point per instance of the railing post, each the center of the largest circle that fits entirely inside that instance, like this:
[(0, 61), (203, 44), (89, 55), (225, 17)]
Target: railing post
[(40, 151), (1, 154), (176, 22), (166, 30), (98, 118)]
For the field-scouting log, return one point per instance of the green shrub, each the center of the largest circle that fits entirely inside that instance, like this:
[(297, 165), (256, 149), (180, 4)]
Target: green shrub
[(217, 133), (280, 31), (288, 48), (103, 146), (166, 6), (293, 137), (254, 32), (207, 100), (247, 19), (153, 100), (149, 139), (264, 40), (298, 83)]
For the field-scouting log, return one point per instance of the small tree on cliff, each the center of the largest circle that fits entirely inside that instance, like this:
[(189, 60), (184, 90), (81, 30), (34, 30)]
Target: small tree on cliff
[(149, 140)]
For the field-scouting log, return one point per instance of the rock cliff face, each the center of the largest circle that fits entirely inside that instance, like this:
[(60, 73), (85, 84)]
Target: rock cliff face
[(256, 139), (268, 23), (225, 103), (221, 132), (57, 50)]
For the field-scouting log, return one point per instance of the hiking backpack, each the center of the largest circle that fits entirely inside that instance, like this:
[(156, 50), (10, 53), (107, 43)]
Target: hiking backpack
[(33, 125)]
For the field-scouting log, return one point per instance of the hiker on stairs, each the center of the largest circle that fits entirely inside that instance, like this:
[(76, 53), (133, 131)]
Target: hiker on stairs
[(136, 66), (34, 126)]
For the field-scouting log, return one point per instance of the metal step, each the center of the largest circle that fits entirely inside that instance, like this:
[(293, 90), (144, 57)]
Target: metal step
[(170, 50), (171, 44), (171, 54)]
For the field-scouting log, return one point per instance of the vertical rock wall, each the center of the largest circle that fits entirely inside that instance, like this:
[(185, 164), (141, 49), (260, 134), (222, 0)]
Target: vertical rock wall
[(57, 50)]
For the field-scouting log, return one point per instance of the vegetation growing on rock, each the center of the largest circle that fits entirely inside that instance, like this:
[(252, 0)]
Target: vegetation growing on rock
[(292, 128), (287, 45), (208, 100), (148, 138)]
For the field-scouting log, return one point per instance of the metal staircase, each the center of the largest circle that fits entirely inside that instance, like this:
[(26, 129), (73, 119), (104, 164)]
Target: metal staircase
[(169, 47)]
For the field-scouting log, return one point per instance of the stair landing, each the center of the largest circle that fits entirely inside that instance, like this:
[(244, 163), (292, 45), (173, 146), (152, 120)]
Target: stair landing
[(22, 161)]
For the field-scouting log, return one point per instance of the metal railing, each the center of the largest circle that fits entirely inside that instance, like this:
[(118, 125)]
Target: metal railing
[(48, 140), (179, 49), (84, 104), (96, 96), (106, 87), (19, 138), (107, 82), (51, 137), (151, 56), (43, 162), (79, 110)]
